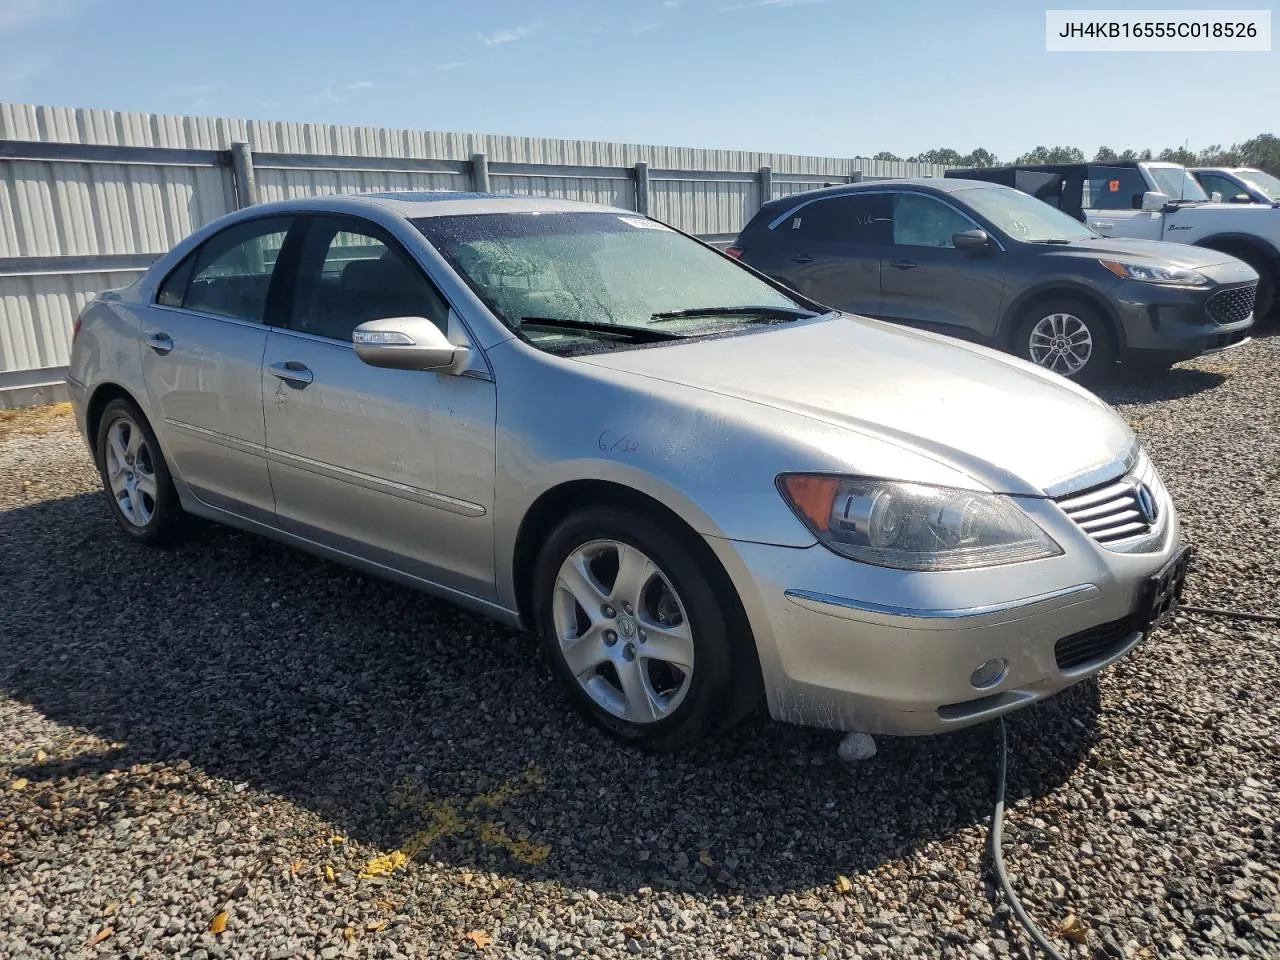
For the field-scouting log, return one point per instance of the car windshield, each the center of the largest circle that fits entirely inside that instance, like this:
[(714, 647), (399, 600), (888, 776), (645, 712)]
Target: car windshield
[(564, 276), (1177, 183), (1263, 182), (1022, 216)]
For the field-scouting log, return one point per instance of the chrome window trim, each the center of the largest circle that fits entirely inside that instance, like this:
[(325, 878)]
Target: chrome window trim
[(774, 224)]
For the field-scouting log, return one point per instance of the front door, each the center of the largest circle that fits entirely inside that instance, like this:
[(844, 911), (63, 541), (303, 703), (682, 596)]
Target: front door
[(925, 281), (1113, 204), (203, 341), (393, 466)]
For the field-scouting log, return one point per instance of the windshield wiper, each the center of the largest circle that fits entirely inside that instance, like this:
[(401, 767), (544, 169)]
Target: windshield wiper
[(637, 334), (771, 313), (1054, 240)]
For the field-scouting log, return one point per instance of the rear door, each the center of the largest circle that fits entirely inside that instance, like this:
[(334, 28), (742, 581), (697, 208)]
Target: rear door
[(1113, 203), (830, 249), (926, 281), (202, 345), (393, 466)]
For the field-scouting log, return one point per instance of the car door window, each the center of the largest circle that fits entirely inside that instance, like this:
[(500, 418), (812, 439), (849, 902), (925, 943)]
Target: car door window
[(229, 275), (1214, 183), (1114, 188), (351, 272), (920, 221), (853, 218)]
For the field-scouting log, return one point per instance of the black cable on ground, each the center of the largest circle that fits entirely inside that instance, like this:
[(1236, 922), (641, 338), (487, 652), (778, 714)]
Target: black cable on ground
[(996, 836)]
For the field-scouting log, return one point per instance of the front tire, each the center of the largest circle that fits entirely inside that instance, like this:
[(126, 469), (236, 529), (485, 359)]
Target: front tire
[(1067, 337), (136, 477), (637, 632)]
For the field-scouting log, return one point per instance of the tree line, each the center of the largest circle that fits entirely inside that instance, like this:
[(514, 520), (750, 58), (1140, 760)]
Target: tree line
[(1263, 152)]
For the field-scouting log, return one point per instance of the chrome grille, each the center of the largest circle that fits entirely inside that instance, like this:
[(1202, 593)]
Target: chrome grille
[(1108, 513), (1232, 306)]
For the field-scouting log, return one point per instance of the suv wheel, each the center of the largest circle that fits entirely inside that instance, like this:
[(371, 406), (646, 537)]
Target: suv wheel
[(1067, 337)]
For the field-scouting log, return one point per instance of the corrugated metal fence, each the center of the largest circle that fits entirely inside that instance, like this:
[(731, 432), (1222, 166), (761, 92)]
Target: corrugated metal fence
[(88, 198)]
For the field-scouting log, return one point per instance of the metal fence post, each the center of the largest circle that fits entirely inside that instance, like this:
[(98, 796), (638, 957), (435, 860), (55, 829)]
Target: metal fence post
[(242, 175), (766, 184), (642, 188), (479, 173)]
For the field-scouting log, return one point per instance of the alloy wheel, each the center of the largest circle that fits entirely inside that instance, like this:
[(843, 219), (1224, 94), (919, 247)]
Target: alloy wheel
[(623, 631), (131, 472), (1061, 342)]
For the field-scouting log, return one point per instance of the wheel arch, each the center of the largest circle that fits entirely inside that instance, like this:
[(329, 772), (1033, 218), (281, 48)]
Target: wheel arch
[(102, 395), (1250, 242), (1012, 317), (560, 501)]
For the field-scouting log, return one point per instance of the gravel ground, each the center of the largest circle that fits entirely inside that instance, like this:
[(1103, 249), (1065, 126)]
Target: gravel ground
[(232, 733)]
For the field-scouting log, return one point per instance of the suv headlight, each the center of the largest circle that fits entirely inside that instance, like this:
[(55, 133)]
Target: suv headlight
[(914, 526), (1170, 276)]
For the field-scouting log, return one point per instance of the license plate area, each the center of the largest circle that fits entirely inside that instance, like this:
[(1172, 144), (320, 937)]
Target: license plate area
[(1163, 592)]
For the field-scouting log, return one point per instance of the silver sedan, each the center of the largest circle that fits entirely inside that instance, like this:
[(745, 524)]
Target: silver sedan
[(697, 488)]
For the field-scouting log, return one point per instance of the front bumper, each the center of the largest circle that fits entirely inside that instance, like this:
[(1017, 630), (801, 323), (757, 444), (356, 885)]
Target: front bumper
[(1173, 323), (849, 646)]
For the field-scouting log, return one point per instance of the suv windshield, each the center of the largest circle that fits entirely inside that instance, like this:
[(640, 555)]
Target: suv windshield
[(579, 272), (1264, 183), (1177, 183), (1022, 216)]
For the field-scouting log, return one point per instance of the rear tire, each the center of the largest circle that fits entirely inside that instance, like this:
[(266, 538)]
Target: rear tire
[(643, 641), (136, 477), (1066, 336)]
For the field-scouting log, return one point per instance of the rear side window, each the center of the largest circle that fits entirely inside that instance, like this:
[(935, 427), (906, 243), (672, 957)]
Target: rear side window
[(854, 218), (229, 275), (1114, 188), (920, 221)]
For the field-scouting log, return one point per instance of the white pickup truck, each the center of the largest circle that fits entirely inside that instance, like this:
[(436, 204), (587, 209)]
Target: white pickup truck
[(1154, 201)]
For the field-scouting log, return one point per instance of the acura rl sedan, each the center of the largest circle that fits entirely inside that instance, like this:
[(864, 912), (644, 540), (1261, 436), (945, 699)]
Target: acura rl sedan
[(697, 488)]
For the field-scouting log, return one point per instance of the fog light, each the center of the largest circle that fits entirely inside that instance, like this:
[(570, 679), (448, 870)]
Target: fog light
[(990, 673)]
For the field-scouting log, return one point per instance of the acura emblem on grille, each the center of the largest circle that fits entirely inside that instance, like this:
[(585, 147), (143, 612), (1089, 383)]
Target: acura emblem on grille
[(1146, 503)]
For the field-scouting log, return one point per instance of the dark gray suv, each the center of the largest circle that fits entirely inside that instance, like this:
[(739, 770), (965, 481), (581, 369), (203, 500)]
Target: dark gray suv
[(991, 264)]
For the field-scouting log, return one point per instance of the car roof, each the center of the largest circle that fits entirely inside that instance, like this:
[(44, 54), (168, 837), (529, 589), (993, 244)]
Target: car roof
[(435, 203), (928, 184)]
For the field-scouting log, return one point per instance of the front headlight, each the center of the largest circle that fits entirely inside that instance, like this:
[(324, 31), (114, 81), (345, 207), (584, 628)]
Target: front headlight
[(1171, 276), (914, 526)]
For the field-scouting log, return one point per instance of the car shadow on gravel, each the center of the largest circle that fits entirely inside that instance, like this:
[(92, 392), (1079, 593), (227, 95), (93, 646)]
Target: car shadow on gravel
[(410, 724), (1135, 385)]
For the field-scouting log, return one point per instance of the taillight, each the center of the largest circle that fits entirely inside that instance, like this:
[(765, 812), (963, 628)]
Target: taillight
[(735, 252)]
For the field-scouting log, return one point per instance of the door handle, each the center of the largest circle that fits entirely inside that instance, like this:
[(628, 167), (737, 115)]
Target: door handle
[(902, 264), (161, 343), (1103, 225), (801, 258), (293, 372)]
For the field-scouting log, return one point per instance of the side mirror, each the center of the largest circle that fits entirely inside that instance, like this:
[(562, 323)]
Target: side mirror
[(971, 240), (404, 343), (1154, 200), (1216, 197), (1242, 198)]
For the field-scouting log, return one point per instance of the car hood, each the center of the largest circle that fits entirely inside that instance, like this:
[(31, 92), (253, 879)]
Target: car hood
[(1003, 422), (1160, 252)]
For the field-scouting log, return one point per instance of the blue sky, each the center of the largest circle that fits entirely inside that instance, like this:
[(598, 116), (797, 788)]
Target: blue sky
[(832, 77)]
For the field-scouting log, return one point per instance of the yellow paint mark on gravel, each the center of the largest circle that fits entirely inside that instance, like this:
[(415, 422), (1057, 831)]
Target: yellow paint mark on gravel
[(454, 815)]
